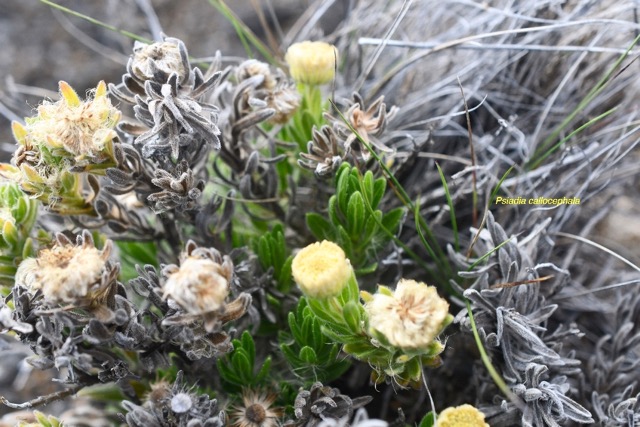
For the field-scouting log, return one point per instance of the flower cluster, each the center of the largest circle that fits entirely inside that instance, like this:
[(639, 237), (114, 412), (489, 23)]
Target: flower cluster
[(65, 138)]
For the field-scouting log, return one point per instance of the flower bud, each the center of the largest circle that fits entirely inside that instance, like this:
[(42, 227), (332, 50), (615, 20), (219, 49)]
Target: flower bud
[(312, 63), (321, 270)]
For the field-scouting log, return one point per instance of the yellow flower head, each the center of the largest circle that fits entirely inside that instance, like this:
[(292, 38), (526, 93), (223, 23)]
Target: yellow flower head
[(200, 285), (82, 128), (312, 63), (461, 416), (321, 270), (409, 318), (67, 273)]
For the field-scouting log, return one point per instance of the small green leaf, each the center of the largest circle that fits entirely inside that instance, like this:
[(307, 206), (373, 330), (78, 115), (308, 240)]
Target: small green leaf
[(355, 214), (341, 338), (249, 346), (369, 269), (334, 214), (319, 226), (342, 190), (241, 365), (367, 186), (353, 316), (371, 226), (427, 420), (308, 355), (379, 188), (317, 339), (264, 371), (285, 278), (391, 220)]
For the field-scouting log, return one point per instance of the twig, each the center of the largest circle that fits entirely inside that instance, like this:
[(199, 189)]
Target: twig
[(42, 400)]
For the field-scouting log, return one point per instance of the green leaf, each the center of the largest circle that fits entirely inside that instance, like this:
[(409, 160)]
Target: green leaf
[(264, 252), (264, 371), (336, 337), (227, 373), (427, 420), (308, 355), (353, 316), (342, 191), (344, 241), (241, 365), (379, 187), (413, 369), (355, 214), (367, 186), (391, 220), (319, 226), (284, 278), (249, 346), (369, 269), (334, 215), (371, 226), (317, 339)]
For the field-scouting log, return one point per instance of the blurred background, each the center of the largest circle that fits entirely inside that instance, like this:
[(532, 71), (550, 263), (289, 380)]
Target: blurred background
[(42, 45)]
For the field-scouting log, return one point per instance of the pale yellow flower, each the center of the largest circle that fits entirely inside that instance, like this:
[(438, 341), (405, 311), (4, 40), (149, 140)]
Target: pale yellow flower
[(461, 416), (199, 285), (409, 318), (321, 270), (312, 63)]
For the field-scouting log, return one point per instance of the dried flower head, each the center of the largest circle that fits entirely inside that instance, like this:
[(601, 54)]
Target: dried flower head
[(82, 128), (285, 100), (369, 123), (199, 287), (167, 95), (165, 57), (409, 318), (253, 67), (323, 157), (320, 403), (69, 274), (461, 416), (201, 283), (312, 63), (256, 410), (321, 270)]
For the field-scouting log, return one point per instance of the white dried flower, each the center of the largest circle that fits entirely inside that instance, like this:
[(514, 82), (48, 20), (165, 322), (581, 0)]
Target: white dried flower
[(163, 56), (321, 270), (200, 285), (285, 99), (253, 67), (67, 273), (409, 318)]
